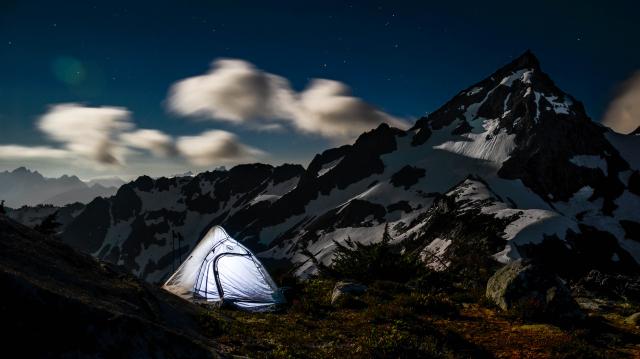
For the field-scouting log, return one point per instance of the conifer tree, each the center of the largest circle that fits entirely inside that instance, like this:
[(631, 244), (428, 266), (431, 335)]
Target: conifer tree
[(49, 226)]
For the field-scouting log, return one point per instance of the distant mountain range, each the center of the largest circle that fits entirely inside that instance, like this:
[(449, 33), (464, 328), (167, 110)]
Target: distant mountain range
[(106, 182), (23, 187), (511, 167)]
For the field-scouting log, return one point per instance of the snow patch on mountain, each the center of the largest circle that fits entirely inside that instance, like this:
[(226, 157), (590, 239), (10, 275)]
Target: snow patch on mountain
[(433, 254), (323, 248), (274, 192), (521, 75), (529, 227), (590, 161), (474, 91), (329, 166), (485, 145), (627, 145)]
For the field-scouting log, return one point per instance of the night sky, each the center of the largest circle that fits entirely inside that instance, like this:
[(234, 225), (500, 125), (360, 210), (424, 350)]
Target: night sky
[(404, 58)]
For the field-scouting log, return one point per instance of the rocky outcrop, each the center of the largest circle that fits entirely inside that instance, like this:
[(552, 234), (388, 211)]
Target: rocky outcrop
[(633, 319), (345, 294), (407, 176), (525, 286)]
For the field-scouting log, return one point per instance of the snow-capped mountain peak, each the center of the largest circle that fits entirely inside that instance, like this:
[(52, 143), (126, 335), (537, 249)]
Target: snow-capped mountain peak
[(512, 159)]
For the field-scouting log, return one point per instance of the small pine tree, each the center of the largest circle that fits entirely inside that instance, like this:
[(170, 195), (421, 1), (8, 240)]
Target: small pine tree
[(368, 262), (386, 237), (2, 210), (49, 226)]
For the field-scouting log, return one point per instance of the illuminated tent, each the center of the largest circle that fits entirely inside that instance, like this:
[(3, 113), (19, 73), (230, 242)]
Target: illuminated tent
[(219, 269)]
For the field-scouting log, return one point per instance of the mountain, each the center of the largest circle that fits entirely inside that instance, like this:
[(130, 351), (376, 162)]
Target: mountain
[(512, 167), (113, 181), (61, 303), (32, 216), (22, 187), (150, 225)]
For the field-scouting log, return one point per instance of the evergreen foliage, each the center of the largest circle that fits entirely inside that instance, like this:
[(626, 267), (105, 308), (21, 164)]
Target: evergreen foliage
[(49, 225)]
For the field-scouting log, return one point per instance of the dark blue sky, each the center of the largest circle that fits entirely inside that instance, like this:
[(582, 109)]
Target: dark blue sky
[(405, 57)]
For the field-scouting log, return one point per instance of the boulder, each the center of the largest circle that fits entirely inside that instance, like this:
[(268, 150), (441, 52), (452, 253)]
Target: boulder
[(633, 319), (345, 294), (532, 291)]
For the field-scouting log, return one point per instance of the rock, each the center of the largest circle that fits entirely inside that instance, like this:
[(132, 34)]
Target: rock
[(633, 319), (532, 291), (345, 294)]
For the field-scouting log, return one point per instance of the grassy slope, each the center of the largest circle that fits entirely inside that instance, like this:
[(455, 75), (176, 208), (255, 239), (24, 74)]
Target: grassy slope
[(396, 322), (58, 302)]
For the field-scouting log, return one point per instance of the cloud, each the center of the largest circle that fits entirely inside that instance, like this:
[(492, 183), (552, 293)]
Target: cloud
[(327, 108), (26, 152), (623, 113), (215, 147), (102, 135), (90, 132), (233, 91), (157, 142), (106, 136), (236, 91)]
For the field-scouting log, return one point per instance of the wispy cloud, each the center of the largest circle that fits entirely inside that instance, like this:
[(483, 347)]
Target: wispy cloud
[(236, 91), (215, 147), (157, 142), (90, 132), (27, 152), (107, 136)]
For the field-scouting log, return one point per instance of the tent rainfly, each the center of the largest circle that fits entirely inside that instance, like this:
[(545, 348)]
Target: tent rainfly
[(219, 269)]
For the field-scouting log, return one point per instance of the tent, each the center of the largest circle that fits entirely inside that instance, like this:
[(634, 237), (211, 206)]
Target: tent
[(219, 269)]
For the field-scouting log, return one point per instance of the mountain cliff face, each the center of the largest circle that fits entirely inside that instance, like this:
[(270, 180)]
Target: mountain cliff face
[(528, 141), (512, 152), (23, 187), (150, 225)]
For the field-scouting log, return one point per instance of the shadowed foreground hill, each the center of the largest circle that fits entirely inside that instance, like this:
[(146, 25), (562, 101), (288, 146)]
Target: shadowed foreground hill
[(57, 302)]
